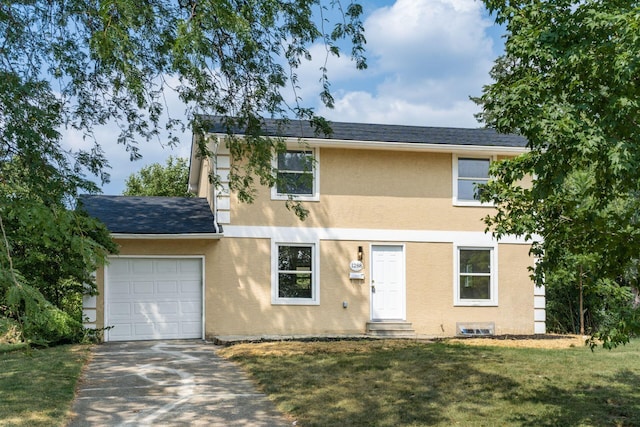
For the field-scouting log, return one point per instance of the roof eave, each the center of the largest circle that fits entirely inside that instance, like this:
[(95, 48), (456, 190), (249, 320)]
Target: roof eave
[(410, 146), (405, 146), (183, 236)]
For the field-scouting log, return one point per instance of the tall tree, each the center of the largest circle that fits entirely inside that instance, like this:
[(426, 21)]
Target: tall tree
[(88, 62), (81, 63), (569, 81), (48, 253), (158, 180)]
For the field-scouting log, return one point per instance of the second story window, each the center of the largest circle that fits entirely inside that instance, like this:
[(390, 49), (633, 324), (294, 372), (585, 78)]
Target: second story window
[(470, 173), (296, 174)]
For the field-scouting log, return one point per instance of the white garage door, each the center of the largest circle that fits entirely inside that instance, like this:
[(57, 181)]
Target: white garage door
[(153, 298)]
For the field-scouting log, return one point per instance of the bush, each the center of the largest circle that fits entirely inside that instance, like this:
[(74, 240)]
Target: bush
[(10, 331), (42, 322)]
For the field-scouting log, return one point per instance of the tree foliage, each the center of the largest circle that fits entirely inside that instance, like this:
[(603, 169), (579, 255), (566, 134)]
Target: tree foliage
[(158, 180), (85, 63), (569, 81), (49, 253), (79, 64)]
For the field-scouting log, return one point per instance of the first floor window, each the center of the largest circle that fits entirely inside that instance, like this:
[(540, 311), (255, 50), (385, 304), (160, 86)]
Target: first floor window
[(475, 284), (295, 277)]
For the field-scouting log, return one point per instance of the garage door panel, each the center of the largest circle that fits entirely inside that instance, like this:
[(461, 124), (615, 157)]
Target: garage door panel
[(190, 287), (154, 298), (118, 269), (190, 328), (157, 310), (190, 307), (168, 328), (117, 288), (119, 331), (144, 330), (143, 288), (167, 267), (119, 309), (168, 287), (140, 266)]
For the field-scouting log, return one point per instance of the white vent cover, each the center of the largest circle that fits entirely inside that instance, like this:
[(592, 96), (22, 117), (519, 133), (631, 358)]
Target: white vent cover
[(475, 329)]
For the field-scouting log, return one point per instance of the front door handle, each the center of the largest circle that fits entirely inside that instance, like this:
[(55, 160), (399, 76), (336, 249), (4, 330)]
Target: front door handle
[(373, 289)]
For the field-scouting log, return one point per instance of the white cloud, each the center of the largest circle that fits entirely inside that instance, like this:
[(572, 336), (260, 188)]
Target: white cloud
[(426, 58), (414, 31), (364, 107), (341, 71)]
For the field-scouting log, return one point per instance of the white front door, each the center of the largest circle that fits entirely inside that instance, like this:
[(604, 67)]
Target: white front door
[(387, 283)]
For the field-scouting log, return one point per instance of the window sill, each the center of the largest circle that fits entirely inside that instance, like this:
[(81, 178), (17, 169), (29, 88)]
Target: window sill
[(475, 304), (294, 301), (472, 204), (295, 198)]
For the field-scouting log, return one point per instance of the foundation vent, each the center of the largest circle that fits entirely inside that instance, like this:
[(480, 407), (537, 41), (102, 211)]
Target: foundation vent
[(476, 329)]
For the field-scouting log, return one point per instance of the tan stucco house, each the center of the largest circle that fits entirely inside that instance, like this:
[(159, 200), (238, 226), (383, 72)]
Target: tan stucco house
[(394, 244)]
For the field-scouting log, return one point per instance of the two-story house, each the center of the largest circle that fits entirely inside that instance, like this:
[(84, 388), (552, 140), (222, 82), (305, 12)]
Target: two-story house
[(394, 244)]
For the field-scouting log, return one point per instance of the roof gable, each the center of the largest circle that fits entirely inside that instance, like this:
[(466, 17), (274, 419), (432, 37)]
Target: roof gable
[(151, 215)]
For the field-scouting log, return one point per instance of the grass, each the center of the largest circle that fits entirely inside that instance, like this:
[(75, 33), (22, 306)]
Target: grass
[(37, 385), (391, 383)]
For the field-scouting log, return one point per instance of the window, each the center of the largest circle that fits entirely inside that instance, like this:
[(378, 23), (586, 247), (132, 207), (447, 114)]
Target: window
[(296, 175), (475, 277), (469, 172), (295, 277)]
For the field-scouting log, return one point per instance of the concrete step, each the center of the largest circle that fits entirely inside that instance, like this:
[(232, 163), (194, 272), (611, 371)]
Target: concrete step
[(390, 329)]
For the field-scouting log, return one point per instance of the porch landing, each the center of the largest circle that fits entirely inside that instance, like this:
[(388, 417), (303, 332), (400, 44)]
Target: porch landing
[(390, 329)]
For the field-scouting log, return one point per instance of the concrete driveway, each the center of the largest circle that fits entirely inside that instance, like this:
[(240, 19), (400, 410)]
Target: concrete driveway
[(168, 383)]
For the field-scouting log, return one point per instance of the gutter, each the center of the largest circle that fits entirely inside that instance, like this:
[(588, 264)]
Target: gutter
[(411, 146), (402, 146), (184, 236)]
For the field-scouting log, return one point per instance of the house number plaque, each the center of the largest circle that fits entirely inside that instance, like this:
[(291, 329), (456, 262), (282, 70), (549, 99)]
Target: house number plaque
[(356, 270), (356, 266)]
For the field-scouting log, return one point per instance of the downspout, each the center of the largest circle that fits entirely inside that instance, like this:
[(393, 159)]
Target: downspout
[(195, 167)]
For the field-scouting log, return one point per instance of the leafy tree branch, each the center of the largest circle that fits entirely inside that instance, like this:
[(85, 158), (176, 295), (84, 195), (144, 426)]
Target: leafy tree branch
[(569, 82)]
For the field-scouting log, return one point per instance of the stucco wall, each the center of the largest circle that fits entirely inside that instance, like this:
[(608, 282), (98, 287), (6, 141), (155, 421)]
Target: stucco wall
[(238, 289), (430, 292), (239, 299), (372, 189)]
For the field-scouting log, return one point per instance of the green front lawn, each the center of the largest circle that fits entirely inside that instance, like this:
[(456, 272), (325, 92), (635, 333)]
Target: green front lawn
[(37, 385), (392, 383)]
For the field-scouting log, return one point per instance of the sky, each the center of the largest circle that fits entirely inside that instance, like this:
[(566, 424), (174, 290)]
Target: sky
[(425, 59)]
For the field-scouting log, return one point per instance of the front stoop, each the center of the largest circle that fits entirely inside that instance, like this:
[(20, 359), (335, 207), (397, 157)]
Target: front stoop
[(390, 329)]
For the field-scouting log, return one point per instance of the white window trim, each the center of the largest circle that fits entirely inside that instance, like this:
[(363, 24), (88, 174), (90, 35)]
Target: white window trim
[(493, 284), (315, 274), (315, 196), (454, 184)]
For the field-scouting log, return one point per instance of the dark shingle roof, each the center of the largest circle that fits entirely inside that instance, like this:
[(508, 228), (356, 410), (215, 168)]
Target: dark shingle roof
[(150, 215), (383, 133)]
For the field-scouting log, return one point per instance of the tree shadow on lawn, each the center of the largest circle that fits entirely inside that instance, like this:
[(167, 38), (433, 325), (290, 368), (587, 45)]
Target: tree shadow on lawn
[(442, 385), (412, 385), (616, 404)]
